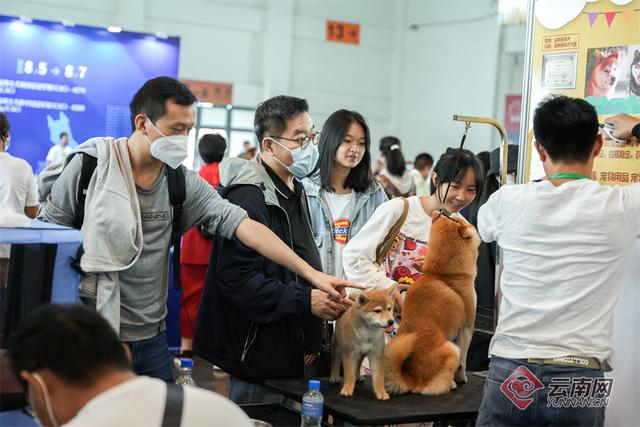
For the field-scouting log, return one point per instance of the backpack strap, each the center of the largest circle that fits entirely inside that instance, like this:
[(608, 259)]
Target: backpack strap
[(173, 406), (385, 245), (89, 164), (177, 194)]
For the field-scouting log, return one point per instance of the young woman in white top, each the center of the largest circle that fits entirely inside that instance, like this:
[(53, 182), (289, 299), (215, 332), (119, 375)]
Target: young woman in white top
[(457, 169), (342, 195)]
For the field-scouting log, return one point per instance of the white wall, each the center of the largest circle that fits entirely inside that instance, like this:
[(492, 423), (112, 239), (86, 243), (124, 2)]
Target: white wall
[(405, 82), (450, 68), (335, 75), (511, 67)]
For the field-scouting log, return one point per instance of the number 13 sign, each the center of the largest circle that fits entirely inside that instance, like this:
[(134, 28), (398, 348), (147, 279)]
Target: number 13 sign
[(343, 32)]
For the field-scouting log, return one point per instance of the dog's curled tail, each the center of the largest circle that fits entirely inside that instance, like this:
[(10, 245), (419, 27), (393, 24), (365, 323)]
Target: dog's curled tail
[(396, 354)]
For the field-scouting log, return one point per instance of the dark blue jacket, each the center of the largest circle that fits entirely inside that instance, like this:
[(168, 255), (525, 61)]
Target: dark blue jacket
[(252, 313)]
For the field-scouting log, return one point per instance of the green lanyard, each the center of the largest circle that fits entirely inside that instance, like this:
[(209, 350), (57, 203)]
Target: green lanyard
[(568, 176)]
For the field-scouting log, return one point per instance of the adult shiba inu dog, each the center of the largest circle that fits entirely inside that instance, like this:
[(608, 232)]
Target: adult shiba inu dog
[(634, 81), (359, 333), (438, 308), (603, 74)]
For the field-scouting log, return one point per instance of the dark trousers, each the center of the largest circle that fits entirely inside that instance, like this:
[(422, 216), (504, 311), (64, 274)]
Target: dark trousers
[(151, 357), (243, 392), (518, 393)]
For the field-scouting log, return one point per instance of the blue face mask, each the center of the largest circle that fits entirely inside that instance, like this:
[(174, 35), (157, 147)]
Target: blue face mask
[(304, 160)]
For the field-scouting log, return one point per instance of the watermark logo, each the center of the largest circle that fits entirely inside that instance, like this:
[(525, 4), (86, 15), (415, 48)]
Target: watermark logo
[(520, 386), (579, 392), (564, 392)]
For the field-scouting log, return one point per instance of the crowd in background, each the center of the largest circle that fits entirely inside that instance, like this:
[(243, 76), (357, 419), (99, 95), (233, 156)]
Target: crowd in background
[(271, 242)]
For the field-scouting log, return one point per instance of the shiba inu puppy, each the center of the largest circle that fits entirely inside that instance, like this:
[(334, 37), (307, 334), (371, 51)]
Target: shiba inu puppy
[(438, 308), (603, 75), (359, 333)]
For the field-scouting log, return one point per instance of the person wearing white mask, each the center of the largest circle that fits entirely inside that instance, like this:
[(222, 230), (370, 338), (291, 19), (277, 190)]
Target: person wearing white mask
[(18, 194), (77, 373), (163, 112), (257, 319)]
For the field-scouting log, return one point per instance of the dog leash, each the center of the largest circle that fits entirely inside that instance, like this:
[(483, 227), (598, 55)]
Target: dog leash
[(467, 125)]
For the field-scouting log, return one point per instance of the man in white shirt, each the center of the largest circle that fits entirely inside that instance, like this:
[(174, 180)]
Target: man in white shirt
[(59, 151), (565, 253), (18, 193), (79, 374)]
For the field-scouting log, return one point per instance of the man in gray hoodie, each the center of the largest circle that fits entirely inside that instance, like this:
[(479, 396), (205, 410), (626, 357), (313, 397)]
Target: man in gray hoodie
[(163, 112)]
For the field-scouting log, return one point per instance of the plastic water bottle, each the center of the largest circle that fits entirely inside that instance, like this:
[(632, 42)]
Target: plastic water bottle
[(312, 403), (186, 366)]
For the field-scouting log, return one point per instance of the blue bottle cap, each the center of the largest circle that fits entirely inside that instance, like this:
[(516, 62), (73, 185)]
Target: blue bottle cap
[(186, 363), (314, 385)]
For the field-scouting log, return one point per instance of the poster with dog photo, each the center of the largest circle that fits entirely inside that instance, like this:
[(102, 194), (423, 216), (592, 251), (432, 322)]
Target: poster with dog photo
[(613, 72)]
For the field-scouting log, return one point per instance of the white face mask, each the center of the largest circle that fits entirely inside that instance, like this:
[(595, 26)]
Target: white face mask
[(47, 402), (7, 142), (304, 160), (170, 150)]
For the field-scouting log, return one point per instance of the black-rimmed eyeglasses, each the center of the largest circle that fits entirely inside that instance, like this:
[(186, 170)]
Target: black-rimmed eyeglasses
[(304, 142)]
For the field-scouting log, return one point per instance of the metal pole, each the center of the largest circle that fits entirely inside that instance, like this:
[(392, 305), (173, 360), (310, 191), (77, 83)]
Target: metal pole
[(505, 155), (526, 95), (503, 135)]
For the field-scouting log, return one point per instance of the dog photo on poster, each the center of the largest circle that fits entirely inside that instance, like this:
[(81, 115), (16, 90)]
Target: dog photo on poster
[(613, 72)]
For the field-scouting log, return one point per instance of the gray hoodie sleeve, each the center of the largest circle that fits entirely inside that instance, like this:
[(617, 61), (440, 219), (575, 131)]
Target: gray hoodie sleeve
[(203, 205), (60, 205)]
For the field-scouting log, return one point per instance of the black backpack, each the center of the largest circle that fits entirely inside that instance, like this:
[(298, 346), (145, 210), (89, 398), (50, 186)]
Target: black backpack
[(177, 194)]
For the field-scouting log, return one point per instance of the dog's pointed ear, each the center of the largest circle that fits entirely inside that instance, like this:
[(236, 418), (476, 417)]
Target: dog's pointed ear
[(353, 296), (362, 299), (435, 215), (465, 232)]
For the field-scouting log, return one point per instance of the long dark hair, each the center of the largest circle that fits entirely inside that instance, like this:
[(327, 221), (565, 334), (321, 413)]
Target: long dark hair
[(453, 165), (489, 186), (396, 164), (333, 132)]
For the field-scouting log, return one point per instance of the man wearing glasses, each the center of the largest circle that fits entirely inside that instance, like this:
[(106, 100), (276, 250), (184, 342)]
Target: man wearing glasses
[(257, 319)]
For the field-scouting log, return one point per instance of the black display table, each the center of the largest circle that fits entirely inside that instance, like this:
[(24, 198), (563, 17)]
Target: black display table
[(364, 409), (275, 414)]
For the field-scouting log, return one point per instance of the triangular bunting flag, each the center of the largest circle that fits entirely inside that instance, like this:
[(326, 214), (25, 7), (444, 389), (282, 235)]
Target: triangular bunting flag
[(627, 16), (610, 16), (592, 18)]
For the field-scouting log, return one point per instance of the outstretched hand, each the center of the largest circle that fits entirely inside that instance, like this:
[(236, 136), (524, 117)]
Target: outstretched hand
[(336, 288)]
